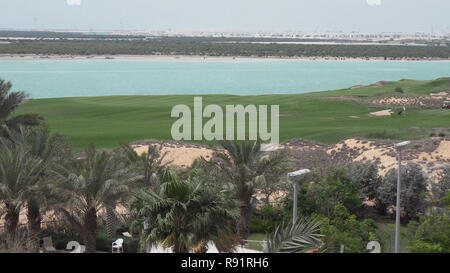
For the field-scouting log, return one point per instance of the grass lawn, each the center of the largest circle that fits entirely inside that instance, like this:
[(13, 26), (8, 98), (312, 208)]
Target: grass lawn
[(256, 237), (386, 235), (320, 116)]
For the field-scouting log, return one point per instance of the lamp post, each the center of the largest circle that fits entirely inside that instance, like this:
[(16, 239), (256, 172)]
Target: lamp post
[(293, 174), (399, 147)]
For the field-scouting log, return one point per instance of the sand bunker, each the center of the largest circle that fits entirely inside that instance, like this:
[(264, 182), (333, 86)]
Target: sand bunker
[(382, 113)]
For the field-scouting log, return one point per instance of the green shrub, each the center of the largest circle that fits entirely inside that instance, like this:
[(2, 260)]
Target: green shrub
[(345, 229), (414, 189), (266, 219), (61, 235), (399, 90), (424, 247), (131, 245), (432, 235), (103, 242)]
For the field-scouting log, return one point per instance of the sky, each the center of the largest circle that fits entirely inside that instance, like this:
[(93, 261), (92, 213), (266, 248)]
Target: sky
[(407, 16)]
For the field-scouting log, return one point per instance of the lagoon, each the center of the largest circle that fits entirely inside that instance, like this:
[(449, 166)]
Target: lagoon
[(79, 78)]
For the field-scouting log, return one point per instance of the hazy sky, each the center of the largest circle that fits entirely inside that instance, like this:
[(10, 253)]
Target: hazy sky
[(230, 15)]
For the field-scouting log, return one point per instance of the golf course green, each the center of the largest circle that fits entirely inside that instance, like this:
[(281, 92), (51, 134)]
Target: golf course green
[(325, 117)]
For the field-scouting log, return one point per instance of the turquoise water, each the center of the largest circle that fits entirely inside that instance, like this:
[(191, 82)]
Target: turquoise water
[(48, 79)]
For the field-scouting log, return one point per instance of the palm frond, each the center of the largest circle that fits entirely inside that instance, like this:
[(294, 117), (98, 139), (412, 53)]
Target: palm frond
[(302, 236)]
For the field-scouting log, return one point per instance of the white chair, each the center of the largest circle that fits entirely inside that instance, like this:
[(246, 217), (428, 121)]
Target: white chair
[(117, 246)]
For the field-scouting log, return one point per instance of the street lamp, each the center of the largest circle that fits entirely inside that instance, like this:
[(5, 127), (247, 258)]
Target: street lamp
[(399, 147), (294, 174)]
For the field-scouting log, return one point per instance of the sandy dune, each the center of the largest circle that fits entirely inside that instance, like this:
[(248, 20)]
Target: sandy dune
[(386, 156), (179, 155), (431, 154)]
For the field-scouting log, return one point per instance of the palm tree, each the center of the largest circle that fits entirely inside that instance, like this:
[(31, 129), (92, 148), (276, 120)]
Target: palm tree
[(185, 215), (244, 165), (17, 172), (148, 166), (88, 186), (50, 150), (302, 236), (9, 102)]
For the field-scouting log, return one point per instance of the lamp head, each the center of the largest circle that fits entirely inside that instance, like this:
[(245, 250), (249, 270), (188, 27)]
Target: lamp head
[(402, 144)]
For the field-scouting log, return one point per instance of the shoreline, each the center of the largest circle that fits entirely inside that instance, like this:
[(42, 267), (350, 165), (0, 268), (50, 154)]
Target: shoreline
[(196, 58)]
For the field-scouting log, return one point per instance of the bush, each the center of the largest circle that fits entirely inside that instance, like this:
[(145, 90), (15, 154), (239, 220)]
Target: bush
[(266, 219), (424, 247), (345, 229), (367, 179), (399, 90), (331, 187), (432, 235), (60, 234), (441, 134), (334, 188), (442, 188), (414, 189), (131, 245), (103, 242)]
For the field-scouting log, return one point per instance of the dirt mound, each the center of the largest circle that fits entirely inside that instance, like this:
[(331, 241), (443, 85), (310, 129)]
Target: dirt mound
[(431, 154), (381, 83), (179, 154)]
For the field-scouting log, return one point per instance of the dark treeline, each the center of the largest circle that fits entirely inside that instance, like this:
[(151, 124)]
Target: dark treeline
[(59, 35), (218, 47)]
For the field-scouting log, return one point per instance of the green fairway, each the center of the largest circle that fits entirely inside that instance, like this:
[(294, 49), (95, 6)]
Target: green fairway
[(326, 117)]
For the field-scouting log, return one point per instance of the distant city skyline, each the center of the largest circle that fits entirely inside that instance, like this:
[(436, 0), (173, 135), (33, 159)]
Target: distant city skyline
[(366, 16)]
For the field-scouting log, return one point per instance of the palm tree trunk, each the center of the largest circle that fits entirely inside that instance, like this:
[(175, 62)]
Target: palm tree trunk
[(180, 248), (90, 231), (243, 228), (34, 227), (110, 222), (11, 224)]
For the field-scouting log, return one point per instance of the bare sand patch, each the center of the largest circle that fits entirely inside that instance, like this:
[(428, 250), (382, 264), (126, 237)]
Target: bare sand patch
[(362, 151), (383, 113), (179, 155), (385, 155), (433, 100)]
